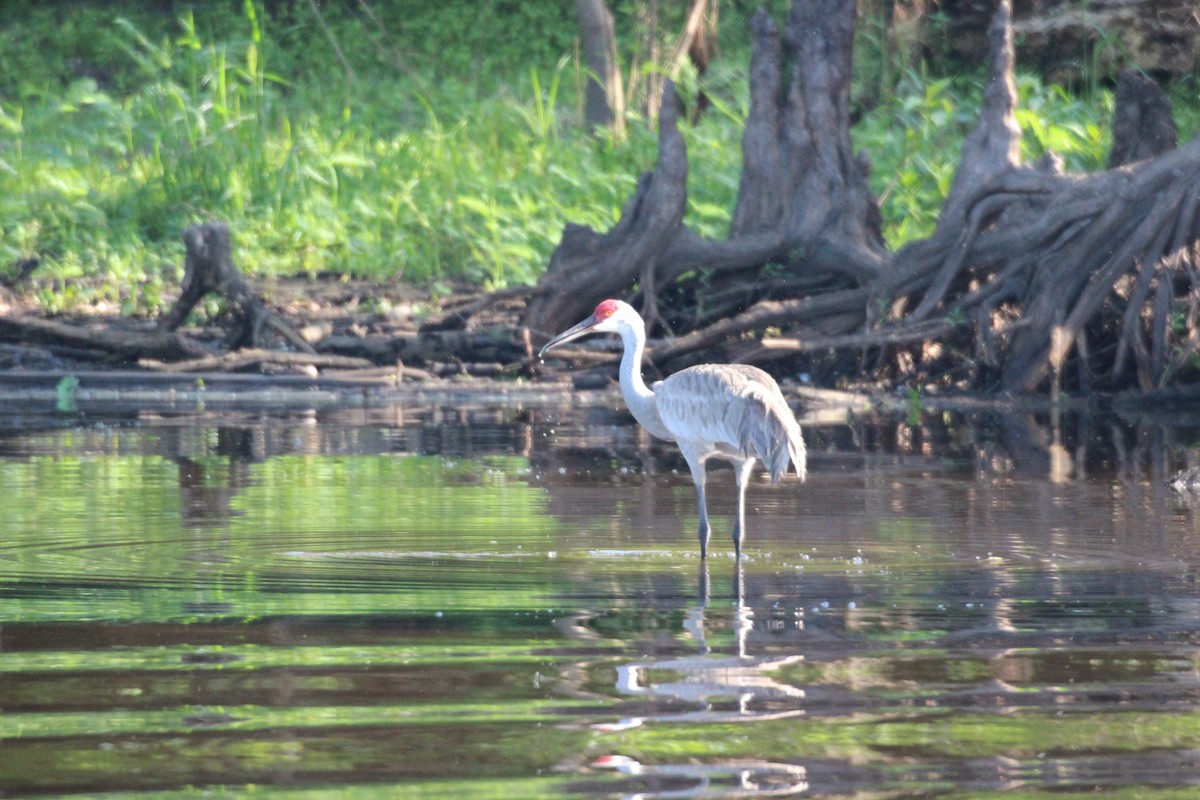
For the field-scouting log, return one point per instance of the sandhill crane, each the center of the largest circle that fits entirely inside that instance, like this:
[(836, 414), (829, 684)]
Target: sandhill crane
[(730, 411)]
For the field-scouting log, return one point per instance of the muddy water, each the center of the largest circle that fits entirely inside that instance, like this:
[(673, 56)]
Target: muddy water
[(487, 601)]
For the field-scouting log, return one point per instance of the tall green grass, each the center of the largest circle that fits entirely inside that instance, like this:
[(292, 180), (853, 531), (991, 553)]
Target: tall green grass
[(915, 134), (401, 174)]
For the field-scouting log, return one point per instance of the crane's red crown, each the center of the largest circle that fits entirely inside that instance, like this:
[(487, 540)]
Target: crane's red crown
[(606, 309)]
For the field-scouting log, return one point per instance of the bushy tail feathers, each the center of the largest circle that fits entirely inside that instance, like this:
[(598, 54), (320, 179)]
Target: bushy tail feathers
[(781, 442), (770, 432), (797, 452)]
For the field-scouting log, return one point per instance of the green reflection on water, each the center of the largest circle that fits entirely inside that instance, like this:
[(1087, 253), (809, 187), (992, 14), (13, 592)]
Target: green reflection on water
[(550, 786), (315, 619), (909, 732), (259, 718), (140, 538), (431, 652), (486, 752), (409, 495)]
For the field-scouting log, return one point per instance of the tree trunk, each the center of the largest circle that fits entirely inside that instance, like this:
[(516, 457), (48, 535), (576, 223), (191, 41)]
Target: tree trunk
[(604, 104), (1029, 271), (209, 267), (803, 200), (1143, 126)]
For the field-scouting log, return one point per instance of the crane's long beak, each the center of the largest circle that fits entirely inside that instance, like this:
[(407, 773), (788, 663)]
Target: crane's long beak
[(582, 329)]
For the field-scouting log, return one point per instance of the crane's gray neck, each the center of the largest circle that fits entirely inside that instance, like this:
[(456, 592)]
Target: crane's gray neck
[(638, 396)]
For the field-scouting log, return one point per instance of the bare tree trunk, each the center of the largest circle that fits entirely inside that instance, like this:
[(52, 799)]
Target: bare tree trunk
[(804, 200), (1142, 124), (604, 105), (692, 45), (1030, 271), (209, 267)]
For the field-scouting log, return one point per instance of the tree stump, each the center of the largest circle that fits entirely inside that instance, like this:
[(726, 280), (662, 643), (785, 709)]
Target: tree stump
[(209, 267), (803, 200)]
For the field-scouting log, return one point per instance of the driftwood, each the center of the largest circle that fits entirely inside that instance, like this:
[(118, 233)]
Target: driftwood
[(248, 323), (456, 315), (250, 358), (1030, 273), (209, 267), (435, 346), (117, 346)]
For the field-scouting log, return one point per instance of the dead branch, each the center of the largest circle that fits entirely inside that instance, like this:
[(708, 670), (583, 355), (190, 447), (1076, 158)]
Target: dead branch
[(457, 315), (249, 358)]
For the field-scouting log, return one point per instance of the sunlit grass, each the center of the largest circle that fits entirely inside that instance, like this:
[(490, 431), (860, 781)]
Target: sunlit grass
[(391, 179), (915, 136)]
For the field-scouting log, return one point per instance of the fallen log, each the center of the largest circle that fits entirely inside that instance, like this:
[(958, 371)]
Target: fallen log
[(248, 358), (118, 345), (390, 375), (424, 348)]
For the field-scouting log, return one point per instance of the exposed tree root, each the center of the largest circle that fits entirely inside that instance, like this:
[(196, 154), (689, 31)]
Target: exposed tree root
[(1030, 272), (209, 267), (251, 358)]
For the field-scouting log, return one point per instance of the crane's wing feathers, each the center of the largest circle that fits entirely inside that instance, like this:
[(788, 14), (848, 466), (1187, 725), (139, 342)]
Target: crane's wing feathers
[(736, 408)]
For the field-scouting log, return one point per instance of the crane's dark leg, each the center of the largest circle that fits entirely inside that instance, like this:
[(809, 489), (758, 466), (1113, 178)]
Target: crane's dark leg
[(743, 470), (696, 463), (705, 528)]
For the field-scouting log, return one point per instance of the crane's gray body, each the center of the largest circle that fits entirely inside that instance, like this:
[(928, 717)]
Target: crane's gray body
[(730, 411)]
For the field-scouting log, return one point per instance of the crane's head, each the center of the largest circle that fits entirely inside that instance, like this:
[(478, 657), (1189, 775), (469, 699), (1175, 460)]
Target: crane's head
[(609, 317)]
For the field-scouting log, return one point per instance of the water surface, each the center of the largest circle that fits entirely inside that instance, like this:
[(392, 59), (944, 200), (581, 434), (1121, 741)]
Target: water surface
[(507, 601)]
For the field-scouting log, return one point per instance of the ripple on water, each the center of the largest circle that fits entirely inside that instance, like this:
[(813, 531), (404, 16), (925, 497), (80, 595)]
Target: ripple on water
[(329, 609)]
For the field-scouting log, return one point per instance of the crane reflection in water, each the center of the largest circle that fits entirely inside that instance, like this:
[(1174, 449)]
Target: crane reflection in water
[(711, 688)]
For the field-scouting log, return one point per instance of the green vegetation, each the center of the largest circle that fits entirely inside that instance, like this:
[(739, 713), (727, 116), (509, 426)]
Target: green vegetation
[(415, 142)]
